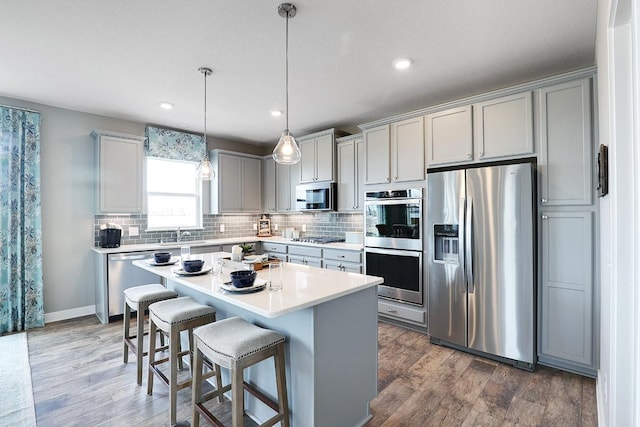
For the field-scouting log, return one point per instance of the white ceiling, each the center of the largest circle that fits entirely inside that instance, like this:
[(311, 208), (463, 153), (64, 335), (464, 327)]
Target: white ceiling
[(120, 58)]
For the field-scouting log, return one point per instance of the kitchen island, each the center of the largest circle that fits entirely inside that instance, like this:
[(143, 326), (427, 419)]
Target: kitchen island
[(329, 319)]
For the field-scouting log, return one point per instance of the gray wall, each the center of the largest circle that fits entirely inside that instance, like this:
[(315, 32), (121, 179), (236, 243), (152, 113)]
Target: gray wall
[(68, 191)]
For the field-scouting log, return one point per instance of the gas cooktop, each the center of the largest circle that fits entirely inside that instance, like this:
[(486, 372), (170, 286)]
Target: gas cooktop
[(319, 240)]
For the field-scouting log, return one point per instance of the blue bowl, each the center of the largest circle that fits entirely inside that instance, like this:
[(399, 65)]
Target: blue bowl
[(192, 265), (243, 278), (162, 257)]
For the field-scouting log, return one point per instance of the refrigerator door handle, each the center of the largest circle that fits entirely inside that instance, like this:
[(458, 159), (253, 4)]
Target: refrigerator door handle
[(468, 243), (461, 252)]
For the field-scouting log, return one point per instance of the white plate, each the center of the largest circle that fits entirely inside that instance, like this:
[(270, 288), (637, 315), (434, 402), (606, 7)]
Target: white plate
[(258, 285), (153, 262), (181, 272)]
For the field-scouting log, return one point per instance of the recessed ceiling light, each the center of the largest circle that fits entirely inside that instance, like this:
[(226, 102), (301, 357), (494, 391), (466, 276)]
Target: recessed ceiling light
[(276, 113), (166, 105), (402, 63)]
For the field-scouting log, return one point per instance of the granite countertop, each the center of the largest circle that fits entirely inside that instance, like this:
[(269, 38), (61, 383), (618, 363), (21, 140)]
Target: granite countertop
[(303, 286), (225, 241)]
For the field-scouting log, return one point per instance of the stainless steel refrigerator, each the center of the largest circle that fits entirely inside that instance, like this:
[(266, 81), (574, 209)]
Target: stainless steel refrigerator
[(481, 261)]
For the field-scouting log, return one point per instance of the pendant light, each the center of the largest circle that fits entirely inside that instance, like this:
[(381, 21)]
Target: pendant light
[(287, 151), (205, 169)]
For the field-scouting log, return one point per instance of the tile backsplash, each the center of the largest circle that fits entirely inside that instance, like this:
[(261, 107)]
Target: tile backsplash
[(332, 224)]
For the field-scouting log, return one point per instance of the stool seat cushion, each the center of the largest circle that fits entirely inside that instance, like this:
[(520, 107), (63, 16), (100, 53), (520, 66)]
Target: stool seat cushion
[(147, 294), (235, 338), (178, 310)]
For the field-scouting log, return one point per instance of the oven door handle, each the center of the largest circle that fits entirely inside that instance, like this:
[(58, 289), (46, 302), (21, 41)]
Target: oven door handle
[(417, 254), (374, 202)]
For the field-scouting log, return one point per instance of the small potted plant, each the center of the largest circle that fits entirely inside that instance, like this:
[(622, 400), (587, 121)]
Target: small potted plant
[(246, 248)]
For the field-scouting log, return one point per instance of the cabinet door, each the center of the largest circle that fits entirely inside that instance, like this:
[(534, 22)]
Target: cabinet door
[(377, 152), (407, 150), (283, 188), (359, 174), (229, 183), (565, 144), (324, 158), (120, 174), (504, 126), (449, 137), (308, 161), (251, 188), (346, 177), (268, 185), (567, 286)]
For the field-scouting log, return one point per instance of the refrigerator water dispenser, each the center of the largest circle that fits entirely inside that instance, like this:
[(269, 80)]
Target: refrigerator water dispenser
[(446, 243)]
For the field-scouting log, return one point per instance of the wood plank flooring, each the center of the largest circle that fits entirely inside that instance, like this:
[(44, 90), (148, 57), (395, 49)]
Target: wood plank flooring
[(421, 384), (79, 380)]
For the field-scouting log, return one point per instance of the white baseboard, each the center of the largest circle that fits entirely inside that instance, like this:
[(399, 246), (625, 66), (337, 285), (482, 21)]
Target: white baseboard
[(69, 314)]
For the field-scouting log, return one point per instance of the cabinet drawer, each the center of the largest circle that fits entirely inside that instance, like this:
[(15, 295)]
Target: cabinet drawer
[(305, 251), (403, 313), (274, 247), (343, 266), (348, 256), (302, 260)]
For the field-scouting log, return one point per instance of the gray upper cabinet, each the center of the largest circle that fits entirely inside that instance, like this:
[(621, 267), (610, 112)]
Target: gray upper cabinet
[(377, 150), (120, 169), (566, 144), (567, 289), (449, 137), (317, 163), (407, 150), (504, 127), (237, 185), (268, 184), (286, 180), (350, 173), (395, 152)]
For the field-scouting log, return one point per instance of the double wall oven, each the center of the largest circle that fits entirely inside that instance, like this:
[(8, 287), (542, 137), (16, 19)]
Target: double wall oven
[(393, 242)]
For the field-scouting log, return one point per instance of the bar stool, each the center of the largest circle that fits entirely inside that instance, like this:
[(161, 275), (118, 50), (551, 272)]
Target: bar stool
[(171, 317), (138, 299), (237, 344)]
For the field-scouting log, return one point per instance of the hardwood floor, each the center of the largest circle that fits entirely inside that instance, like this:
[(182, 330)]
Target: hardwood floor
[(421, 384), (79, 380)]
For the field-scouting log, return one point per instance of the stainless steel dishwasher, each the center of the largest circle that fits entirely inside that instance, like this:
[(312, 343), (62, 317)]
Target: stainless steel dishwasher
[(122, 274)]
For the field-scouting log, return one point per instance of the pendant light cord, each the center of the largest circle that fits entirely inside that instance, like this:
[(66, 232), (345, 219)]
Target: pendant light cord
[(286, 73), (205, 111)]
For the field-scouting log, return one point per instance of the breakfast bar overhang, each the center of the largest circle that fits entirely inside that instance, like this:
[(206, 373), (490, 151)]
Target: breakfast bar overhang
[(329, 319)]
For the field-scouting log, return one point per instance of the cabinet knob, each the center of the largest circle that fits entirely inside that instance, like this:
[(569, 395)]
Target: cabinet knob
[(395, 178), (545, 200), (482, 154), (389, 310), (469, 155), (545, 217)]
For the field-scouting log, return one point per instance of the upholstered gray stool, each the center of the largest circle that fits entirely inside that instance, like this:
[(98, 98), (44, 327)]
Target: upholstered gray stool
[(172, 317), (138, 299), (237, 344)]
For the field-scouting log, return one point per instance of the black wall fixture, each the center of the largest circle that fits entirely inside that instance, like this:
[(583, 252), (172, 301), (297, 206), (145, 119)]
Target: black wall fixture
[(603, 171)]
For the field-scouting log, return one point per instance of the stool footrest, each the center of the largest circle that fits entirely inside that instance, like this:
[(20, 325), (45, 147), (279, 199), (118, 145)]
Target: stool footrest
[(260, 395)]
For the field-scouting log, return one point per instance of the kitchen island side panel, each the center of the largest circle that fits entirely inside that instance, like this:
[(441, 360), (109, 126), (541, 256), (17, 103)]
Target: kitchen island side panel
[(330, 357)]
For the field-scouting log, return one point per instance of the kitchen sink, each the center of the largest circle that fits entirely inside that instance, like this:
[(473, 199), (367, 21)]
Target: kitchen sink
[(185, 243)]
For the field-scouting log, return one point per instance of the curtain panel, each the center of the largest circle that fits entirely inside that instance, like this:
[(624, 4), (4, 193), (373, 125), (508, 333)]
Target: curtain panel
[(171, 144), (21, 297)]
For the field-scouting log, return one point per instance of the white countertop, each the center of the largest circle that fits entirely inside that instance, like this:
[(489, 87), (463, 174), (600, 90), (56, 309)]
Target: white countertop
[(304, 286), (224, 241)]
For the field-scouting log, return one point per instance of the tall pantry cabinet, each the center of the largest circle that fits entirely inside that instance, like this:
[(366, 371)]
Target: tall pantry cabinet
[(567, 235)]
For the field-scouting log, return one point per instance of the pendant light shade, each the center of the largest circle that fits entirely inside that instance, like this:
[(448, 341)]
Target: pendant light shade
[(287, 151), (205, 168)]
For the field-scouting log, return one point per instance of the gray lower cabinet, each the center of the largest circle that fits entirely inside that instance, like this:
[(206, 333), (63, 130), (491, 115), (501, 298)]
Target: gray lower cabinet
[(340, 260), (402, 312), (275, 250), (305, 255), (566, 334)]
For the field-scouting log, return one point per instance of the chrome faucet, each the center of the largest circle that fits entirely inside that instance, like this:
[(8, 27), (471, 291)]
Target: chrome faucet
[(180, 235)]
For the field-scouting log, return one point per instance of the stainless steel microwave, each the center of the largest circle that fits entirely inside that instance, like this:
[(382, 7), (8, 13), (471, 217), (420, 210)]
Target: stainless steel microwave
[(317, 196)]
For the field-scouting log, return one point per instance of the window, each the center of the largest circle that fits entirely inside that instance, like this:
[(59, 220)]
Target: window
[(173, 194)]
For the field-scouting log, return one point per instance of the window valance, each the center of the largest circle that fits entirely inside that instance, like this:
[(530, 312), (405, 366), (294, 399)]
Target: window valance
[(172, 144)]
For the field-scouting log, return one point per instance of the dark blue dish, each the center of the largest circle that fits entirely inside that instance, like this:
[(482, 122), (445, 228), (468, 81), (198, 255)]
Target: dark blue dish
[(243, 278), (192, 265), (162, 257)]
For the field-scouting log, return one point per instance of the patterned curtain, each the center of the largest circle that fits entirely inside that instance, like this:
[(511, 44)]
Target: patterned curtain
[(171, 144), (21, 300)]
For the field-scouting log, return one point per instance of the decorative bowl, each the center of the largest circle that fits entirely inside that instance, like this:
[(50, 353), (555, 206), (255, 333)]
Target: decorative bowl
[(162, 257), (192, 265), (243, 278)]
